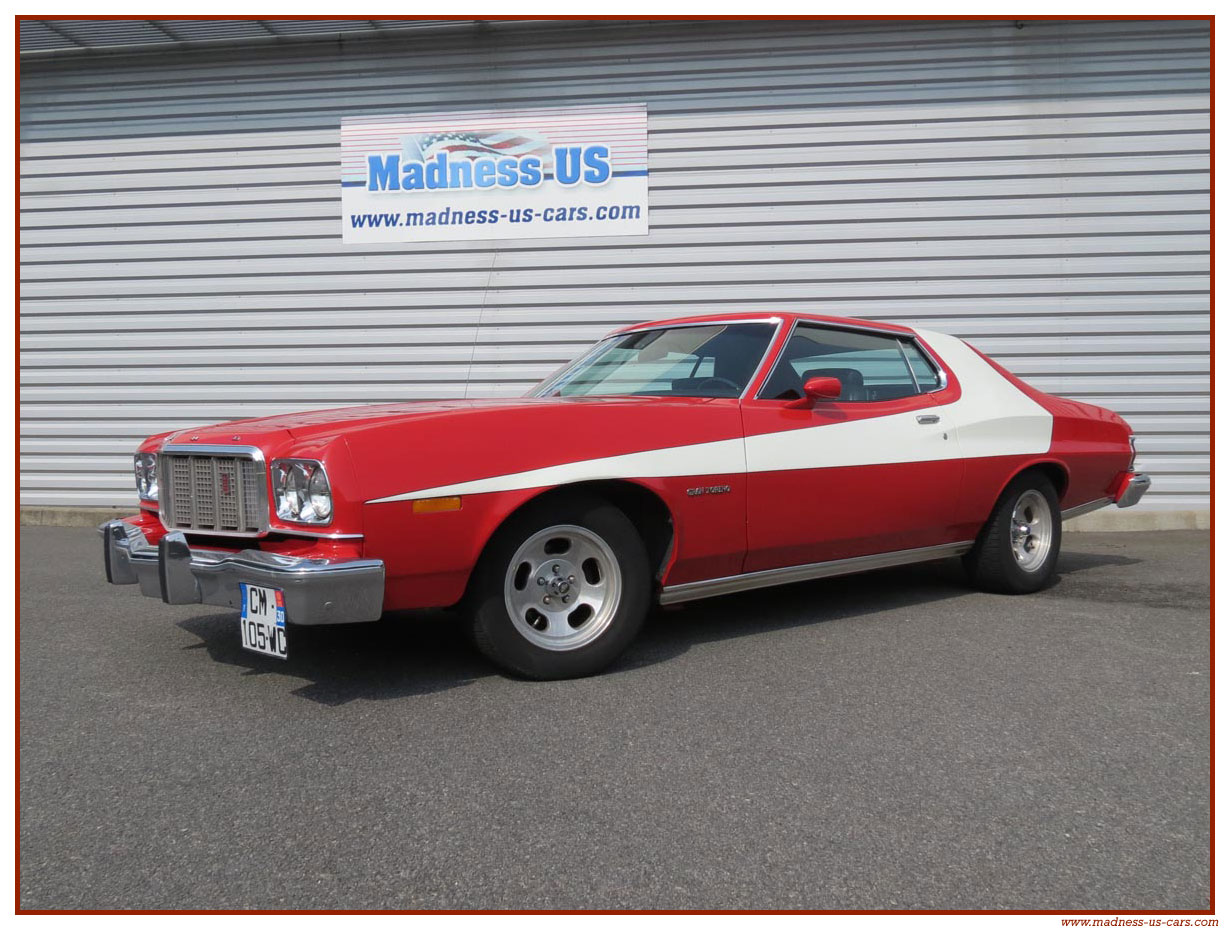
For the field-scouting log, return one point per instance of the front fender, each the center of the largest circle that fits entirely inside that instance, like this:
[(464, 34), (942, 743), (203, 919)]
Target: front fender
[(429, 557)]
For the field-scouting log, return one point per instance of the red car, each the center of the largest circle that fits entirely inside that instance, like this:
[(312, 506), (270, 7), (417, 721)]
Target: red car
[(672, 461)]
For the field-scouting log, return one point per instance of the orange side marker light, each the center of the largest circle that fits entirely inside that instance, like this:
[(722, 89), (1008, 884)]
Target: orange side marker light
[(436, 504)]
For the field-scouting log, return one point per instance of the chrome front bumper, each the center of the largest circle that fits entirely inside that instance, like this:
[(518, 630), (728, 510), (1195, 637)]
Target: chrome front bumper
[(317, 591)]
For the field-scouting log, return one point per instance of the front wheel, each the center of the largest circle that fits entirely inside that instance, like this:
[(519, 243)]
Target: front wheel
[(561, 591), (1017, 551)]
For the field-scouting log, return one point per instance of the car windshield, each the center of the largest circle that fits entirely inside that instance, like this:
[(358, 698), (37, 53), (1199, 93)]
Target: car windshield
[(715, 360)]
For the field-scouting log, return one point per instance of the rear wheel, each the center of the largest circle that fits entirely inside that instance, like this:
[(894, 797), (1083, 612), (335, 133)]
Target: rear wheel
[(1018, 549), (562, 590)]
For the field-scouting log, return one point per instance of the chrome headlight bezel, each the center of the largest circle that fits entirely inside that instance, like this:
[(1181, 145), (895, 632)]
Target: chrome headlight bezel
[(145, 473), (301, 492)]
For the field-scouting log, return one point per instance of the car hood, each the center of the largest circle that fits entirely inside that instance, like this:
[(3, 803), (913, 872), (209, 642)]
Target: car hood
[(335, 421), (396, 449)]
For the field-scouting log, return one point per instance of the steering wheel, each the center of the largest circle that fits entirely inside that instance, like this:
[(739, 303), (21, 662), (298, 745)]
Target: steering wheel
[(721, 381)]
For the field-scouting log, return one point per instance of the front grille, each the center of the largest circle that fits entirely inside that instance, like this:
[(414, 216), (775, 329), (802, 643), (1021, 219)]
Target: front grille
[(213, 493)]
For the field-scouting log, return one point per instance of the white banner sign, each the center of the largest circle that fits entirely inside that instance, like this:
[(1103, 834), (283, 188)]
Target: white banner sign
[(496, 174)]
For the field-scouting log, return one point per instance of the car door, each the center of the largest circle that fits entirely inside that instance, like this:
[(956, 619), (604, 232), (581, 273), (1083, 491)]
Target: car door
[(875, 470)]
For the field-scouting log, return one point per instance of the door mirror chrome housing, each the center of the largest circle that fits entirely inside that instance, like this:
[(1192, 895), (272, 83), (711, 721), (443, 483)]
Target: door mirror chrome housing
[(816, 390)]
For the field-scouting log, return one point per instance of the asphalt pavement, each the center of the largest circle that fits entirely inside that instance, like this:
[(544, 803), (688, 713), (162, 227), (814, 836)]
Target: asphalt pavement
[(891, 740)]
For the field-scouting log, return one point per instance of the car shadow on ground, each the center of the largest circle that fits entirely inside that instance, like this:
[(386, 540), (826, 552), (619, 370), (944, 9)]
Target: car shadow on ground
[(414, 653), (1151, 589), (673, 630), (1071, 563), (403, 655)]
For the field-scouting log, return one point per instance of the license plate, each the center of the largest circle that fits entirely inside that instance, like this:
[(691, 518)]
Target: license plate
[(262, 620)]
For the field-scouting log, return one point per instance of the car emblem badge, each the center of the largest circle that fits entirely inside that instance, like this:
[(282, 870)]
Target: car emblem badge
[(710, 489), (226, 485)]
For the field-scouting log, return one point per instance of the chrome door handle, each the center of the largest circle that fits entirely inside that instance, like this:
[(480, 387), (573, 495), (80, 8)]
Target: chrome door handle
[(928, 418)]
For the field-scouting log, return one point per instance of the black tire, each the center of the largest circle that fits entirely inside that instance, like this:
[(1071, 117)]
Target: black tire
[(494, 628), (992, 564)]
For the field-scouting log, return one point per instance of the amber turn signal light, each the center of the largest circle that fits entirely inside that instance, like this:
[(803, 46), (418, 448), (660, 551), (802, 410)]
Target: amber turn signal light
[(437, 504)]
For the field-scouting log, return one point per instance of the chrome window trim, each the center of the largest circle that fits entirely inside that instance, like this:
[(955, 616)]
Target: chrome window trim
[(236, 451), (649, 328), (875, 331), (540, 389), (908, 367), (777, 328), (930, 357), (794, 324)]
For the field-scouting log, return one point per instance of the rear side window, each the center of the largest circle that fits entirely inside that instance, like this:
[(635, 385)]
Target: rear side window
[(869, 366)]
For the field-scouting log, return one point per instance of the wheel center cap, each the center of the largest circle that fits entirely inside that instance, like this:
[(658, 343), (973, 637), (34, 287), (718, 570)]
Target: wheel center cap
[(557, 578)]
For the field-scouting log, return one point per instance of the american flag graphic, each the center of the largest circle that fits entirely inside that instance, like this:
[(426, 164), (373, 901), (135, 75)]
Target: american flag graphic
[(503, 142)]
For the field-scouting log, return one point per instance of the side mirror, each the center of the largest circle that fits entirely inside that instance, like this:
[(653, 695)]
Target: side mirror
[(816, 390)]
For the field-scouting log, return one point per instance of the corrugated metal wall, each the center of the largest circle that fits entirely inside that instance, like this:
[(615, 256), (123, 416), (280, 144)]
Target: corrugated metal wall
[(1041, 190)]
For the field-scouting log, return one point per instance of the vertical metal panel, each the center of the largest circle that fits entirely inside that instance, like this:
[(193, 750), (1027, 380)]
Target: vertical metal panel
[(1041, 190)]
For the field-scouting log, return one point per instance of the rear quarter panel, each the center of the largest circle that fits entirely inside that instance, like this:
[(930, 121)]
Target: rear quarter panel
[(1090, 444)]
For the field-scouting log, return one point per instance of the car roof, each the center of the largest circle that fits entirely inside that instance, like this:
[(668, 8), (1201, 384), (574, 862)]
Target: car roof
[(765, 316)]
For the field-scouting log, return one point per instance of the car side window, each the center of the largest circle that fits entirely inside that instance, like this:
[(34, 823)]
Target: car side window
[(869, 366)]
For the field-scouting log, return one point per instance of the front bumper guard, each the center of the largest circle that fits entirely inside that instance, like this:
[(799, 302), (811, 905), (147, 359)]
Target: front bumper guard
[(316, 591)]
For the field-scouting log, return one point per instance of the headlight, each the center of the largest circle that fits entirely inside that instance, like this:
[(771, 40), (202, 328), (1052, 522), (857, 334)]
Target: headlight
[(145, 469), (301, 491)]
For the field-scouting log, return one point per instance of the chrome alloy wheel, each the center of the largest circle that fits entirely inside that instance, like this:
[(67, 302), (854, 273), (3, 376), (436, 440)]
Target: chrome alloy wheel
[(1031, 530), (562, 587)]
